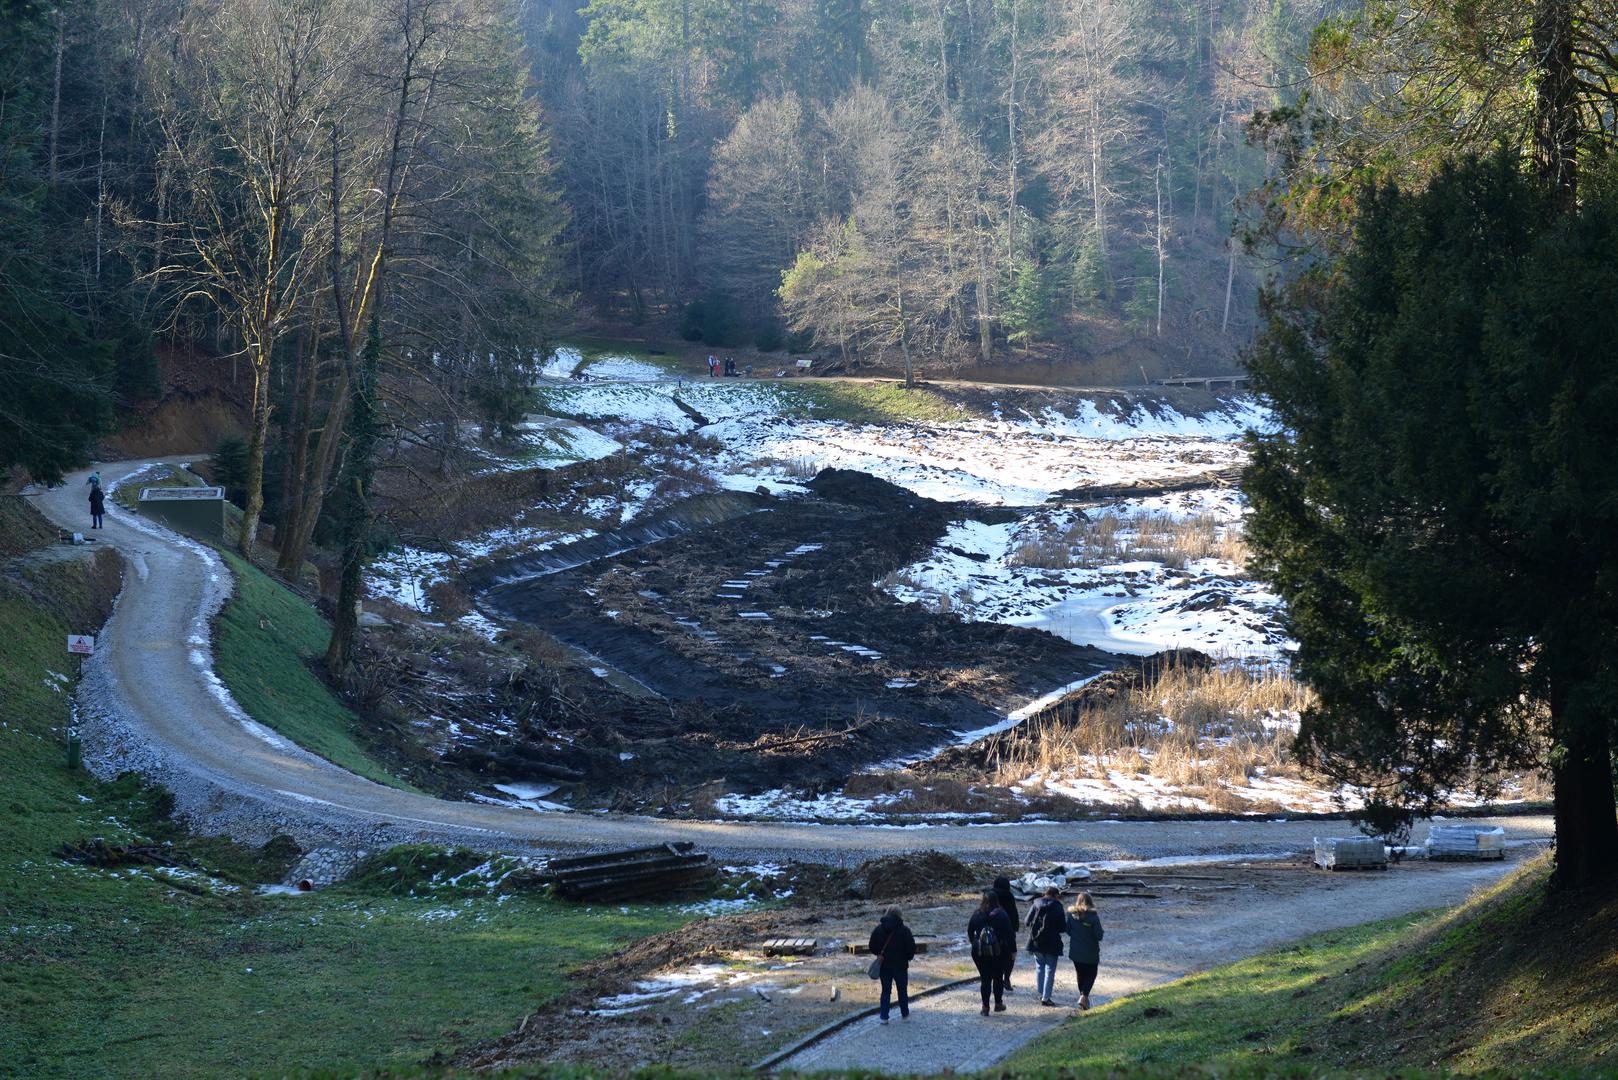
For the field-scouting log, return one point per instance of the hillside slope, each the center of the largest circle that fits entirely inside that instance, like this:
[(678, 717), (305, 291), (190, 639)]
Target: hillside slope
[(1518, 979)]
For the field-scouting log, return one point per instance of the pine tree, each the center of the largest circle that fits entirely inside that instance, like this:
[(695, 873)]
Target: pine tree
[(1437, 501)]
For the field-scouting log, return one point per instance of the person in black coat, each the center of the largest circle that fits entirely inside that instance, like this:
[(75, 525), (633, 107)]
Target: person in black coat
[(894, 946), (991, 935), (1008, 904), (98, 505)]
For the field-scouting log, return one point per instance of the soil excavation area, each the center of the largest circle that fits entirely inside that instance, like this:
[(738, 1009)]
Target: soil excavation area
[(757, 650)]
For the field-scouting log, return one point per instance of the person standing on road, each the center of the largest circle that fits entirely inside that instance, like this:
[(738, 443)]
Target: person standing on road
[(713, 366), (1046, 922), (894, 947), (98, 505), (991, 935), (1008, 904), (1084, 944)]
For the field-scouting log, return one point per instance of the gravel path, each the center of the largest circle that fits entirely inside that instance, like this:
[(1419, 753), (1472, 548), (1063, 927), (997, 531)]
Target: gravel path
[(1146, 944), (150, 702)]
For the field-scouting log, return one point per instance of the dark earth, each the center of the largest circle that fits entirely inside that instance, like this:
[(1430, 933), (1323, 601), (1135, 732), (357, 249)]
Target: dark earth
[(764, 653)]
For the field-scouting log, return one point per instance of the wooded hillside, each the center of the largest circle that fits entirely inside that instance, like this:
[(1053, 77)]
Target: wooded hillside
[(940, 179)]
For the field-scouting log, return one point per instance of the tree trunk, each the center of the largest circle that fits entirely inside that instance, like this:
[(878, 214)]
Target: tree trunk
[(1585, 811), (1556, 120), (296, 477), (985, 321), (1230, 282), (1159, 179), (255, 452), (354, 511), (1011, 148), (324, 458), (904, 343), (54, 171)]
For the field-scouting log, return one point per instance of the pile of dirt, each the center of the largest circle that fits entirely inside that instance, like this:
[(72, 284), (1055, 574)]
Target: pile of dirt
[(864, 490), (908, 874)]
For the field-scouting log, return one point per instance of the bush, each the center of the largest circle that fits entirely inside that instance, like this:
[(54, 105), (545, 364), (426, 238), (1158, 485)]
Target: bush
[(692, 321), (228, 464), (768, 336)]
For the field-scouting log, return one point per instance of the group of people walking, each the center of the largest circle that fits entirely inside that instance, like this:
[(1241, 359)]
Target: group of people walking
[(992, 933)]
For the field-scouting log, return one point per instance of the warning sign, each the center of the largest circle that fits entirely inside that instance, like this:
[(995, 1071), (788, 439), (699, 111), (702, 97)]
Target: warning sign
[(81, 644)]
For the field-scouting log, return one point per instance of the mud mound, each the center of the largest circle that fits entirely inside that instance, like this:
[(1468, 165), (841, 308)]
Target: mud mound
[(906, 875), (863, 489)]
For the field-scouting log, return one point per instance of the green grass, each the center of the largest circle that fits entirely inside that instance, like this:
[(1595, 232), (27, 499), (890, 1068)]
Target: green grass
[(149, 973), (1516, 979), (1240, 1015), (266, 635), (882, 403)]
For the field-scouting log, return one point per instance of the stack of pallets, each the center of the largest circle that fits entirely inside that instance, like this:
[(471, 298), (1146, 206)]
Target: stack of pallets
[(635, 873)]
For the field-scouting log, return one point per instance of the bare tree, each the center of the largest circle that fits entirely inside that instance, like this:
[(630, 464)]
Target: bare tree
[(242, 116)]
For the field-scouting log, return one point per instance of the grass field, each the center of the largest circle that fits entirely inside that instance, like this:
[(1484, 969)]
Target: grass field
[(151, 972), (266, 634)]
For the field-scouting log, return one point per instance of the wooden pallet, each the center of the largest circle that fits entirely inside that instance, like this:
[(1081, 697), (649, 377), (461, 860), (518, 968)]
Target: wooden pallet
[(790, 946), (921, 947)]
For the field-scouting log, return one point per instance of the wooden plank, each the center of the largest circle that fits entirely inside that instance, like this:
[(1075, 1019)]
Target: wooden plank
[(856, 950)]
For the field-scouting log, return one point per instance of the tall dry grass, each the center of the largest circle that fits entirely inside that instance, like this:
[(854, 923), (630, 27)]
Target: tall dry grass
[(1190, 726), (1147, 535)]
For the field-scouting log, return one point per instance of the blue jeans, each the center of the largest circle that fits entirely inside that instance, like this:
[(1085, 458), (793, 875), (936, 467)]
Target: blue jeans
[(1045, 975), (901, 979)]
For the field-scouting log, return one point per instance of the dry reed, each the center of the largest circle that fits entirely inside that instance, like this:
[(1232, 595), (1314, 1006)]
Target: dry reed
[(1145, 535), (1189, 726)]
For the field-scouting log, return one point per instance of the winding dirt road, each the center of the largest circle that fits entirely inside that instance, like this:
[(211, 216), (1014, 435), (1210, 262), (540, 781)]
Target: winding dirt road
[(149, 702)]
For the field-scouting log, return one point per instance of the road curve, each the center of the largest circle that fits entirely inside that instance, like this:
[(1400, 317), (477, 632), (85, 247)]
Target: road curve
[(149, 702)]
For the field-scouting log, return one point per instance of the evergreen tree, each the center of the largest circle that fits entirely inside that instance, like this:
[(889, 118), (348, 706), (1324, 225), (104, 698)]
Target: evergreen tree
[(1437, 501), (1029, 305)]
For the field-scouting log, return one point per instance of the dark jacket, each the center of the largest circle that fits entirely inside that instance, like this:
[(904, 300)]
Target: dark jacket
[(896, 944), (1084, 938), (98, 501), (1047, 920), (1004, 935), (1008, 903)]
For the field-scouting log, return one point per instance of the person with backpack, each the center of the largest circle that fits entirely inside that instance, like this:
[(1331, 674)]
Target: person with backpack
[(98, 505), (991, 935), (1046, 923), (894, 946), (1084, 944), (1008, 904)]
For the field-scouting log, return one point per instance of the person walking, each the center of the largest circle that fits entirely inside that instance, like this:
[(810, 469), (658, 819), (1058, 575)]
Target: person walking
[(1084, 944), (1046, 923), (1008, 904), (991, 935), (98, 505), (894, 946)]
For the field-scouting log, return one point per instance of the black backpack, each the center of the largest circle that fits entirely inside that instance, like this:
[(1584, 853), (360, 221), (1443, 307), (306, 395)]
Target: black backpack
[(1041, 917), (988, 944)]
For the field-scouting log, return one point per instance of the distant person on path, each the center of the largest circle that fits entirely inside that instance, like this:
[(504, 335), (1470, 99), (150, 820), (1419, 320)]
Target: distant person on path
[(991, 935), (894, 947), (95, 479), (98, 505), (1008, 904), (1046, 922), (713, 367), (1084, 944)]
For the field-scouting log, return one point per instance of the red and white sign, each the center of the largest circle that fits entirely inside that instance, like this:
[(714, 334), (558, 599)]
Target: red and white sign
[(81, 644)]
